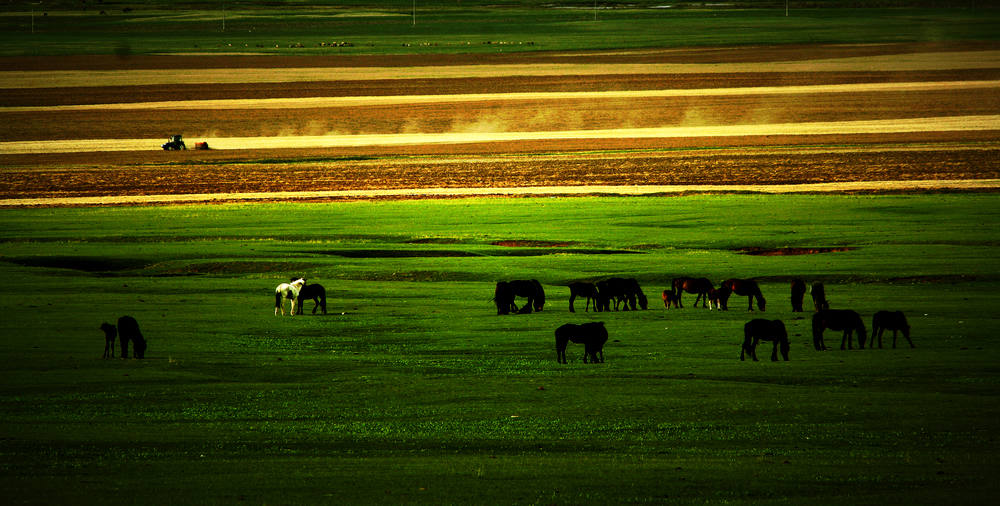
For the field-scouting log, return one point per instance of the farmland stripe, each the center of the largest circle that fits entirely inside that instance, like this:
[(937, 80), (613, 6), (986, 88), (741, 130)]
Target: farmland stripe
[(316, 102), (936, 124)]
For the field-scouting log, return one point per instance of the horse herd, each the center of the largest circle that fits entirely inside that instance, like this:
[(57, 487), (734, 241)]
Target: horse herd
[(625, 294)]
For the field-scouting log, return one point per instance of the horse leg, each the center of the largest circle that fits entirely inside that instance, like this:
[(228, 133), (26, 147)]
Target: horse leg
[(894, 331), (526, 308), (572, 297), (774, 352), (561, 343)]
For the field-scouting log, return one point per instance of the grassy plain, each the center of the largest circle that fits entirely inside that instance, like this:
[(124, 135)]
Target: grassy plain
[(412, 390), (466, 27)]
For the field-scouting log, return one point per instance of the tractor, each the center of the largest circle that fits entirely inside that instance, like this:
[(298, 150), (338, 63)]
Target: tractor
[(174, 143)]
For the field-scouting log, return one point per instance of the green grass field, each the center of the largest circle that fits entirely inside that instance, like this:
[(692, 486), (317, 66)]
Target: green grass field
[(461, 27), (413, 390)]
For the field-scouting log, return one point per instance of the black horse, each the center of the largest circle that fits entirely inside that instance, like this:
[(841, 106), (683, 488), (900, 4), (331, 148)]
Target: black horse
[(798, 294), (747, 287), (587, 290), (765, 330), (700, 286), (889, 320), (507, 291), (128, 330), (622, 290), (314, 292), (591, 335), (838, 319), (819, 297), (110, 333)]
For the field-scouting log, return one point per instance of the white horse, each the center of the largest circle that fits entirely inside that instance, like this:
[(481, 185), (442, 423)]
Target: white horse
[(288, 291)]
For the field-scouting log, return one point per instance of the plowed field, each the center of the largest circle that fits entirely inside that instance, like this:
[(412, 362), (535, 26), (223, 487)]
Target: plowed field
[(726, 116)]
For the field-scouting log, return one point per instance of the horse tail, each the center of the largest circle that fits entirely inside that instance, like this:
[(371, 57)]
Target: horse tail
[(322, 299), (277, 301)]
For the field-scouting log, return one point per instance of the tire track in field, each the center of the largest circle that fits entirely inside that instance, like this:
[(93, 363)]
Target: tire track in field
[(909, 125)]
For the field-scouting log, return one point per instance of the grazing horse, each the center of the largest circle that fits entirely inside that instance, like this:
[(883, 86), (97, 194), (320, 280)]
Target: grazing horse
[(503, 297), (889, 320), (591, 335), (110, 333), (669, 297), (819, 297), (719, 298), (700, 286), (622, 290), (314, 292), (288, 291), (798, 293), (765, 330), (588, 290), (746, 287), (838, 319), (506, 291), (128, 330)]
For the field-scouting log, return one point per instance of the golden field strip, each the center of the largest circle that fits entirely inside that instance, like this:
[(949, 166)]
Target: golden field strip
[(75, 78), (939, 124), (93, 132), (382, 100)]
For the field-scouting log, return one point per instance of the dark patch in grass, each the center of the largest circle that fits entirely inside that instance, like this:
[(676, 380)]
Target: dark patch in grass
[(395, 253), (80, 263), (240, 267), (429, 276), (768, 252), (435, 240), (529, 243), (431, 253)]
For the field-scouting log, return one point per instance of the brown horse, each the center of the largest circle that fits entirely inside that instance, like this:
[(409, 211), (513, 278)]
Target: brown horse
[(506, 291), (765, 330), (591, 335), (622, 290), (700, 286), (747, 287), (838, 319), (110, 333), (819, 297), (669, 297), (588, 290), (889, 320), (798, 293), (719, 298)]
